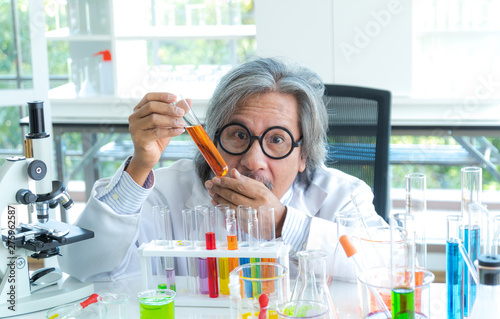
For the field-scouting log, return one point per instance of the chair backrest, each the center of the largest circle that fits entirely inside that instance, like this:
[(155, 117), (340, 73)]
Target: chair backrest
[(358, 137)]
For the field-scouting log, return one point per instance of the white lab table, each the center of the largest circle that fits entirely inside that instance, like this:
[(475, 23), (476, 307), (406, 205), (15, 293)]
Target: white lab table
[(345, 297)]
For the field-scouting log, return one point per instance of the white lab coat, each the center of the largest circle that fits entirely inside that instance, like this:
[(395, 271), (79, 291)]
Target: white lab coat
[(112, 253)]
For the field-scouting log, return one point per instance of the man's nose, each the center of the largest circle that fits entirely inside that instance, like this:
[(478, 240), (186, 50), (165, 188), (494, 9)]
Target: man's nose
[(254, 158)]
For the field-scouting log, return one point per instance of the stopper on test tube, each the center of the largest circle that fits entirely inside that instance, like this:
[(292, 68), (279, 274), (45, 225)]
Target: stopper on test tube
[(348, 245)]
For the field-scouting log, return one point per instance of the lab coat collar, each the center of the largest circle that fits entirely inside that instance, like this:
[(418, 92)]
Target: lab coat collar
[(313, 196)]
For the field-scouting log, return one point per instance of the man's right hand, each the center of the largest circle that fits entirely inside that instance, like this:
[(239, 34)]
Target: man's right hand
[(152, 125)]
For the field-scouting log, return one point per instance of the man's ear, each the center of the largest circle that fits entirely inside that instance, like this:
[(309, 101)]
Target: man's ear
[(302, 164)]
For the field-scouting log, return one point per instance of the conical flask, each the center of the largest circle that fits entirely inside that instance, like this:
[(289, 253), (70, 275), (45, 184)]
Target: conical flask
[(348, 223), (487, 305), (311, 282)]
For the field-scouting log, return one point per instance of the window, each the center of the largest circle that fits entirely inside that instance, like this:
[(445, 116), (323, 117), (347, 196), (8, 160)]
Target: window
[(458, 42), (176, 45)]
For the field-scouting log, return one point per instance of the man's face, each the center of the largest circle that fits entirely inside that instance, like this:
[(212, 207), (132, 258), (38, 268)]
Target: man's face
[(258, 113)]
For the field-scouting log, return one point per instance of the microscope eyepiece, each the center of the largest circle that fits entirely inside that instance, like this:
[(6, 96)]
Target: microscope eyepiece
[(36, 120)]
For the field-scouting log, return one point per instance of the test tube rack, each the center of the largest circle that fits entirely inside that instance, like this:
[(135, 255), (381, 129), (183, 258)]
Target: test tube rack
[(280, 251)]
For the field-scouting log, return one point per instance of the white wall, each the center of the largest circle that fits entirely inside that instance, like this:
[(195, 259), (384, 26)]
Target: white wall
[(362, 42), (302, 30)]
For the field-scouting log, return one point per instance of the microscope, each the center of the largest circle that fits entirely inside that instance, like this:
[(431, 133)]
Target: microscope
[(28, 181)]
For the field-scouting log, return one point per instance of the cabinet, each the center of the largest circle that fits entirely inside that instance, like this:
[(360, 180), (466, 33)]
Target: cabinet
[(156, 45)]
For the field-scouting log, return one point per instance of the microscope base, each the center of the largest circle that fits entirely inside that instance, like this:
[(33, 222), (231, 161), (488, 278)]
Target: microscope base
[(67, 290)]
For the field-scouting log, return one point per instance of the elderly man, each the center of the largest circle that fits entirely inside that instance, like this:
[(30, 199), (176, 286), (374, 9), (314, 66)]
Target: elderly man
[(268, 120)]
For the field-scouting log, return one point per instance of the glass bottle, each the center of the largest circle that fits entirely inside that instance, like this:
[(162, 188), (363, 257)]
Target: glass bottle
[(487, 305), (311, 281)]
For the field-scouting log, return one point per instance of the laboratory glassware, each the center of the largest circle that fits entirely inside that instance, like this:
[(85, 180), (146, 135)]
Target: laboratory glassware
[(487, 305), (221, 238), (202, 140), (311, 283), (201, 212), (232, 237), (89, 308), (248, 306), (116, 305), (454, 267), (303, 309), (165, 269), (189, 227), (156, 304), (267, 226), (471, 193), (416, 204), (403, 267), (348, 223), (213, 283), (243, 214)]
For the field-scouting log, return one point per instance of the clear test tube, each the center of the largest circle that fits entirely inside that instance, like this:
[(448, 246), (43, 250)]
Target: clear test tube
[(403, 266), (221, 235), (189, 226), (253, 230), (454, 267), (243, 213), (165, 269), (267, 226), (232, 236), (201, 212), (213, 283), (416, 204), (471, 193), (253, 244), (163, 227)]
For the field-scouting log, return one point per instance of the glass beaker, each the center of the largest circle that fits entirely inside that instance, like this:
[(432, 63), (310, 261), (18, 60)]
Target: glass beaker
[(380, 282), (157, 304), (273, 281), (116, 305), (303, 309), (311, 283)]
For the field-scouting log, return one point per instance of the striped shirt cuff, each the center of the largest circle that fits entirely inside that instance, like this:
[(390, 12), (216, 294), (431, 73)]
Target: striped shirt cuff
[(296, 229), (123, 194)]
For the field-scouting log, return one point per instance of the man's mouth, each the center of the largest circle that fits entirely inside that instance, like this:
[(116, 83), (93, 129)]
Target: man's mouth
[(261, 179)]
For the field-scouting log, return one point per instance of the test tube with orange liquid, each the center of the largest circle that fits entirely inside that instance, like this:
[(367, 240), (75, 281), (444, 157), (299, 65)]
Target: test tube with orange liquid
[(232, 237), (203, 141)]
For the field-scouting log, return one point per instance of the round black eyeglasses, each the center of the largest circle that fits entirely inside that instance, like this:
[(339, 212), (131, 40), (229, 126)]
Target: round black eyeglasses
[(276, 142)]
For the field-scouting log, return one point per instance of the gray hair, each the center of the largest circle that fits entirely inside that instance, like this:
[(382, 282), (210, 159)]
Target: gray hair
[(265, 75)]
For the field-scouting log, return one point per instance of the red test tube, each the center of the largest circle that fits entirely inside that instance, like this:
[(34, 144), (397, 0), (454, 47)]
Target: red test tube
[(213, 282)]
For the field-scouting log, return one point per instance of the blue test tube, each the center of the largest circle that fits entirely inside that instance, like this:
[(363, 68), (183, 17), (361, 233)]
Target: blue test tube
[(454, 267), (471, 193)]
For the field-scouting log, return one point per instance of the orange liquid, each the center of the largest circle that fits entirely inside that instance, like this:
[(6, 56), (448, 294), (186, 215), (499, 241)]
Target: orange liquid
[(268, 272), (208, 149), (232, 242)]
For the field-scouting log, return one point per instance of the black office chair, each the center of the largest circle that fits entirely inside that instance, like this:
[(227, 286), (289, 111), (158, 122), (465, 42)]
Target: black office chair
[(358, 137)]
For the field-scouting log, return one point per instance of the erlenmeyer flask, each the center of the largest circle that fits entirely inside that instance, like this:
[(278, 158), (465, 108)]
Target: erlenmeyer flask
[(311, 282), (350, 224)]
